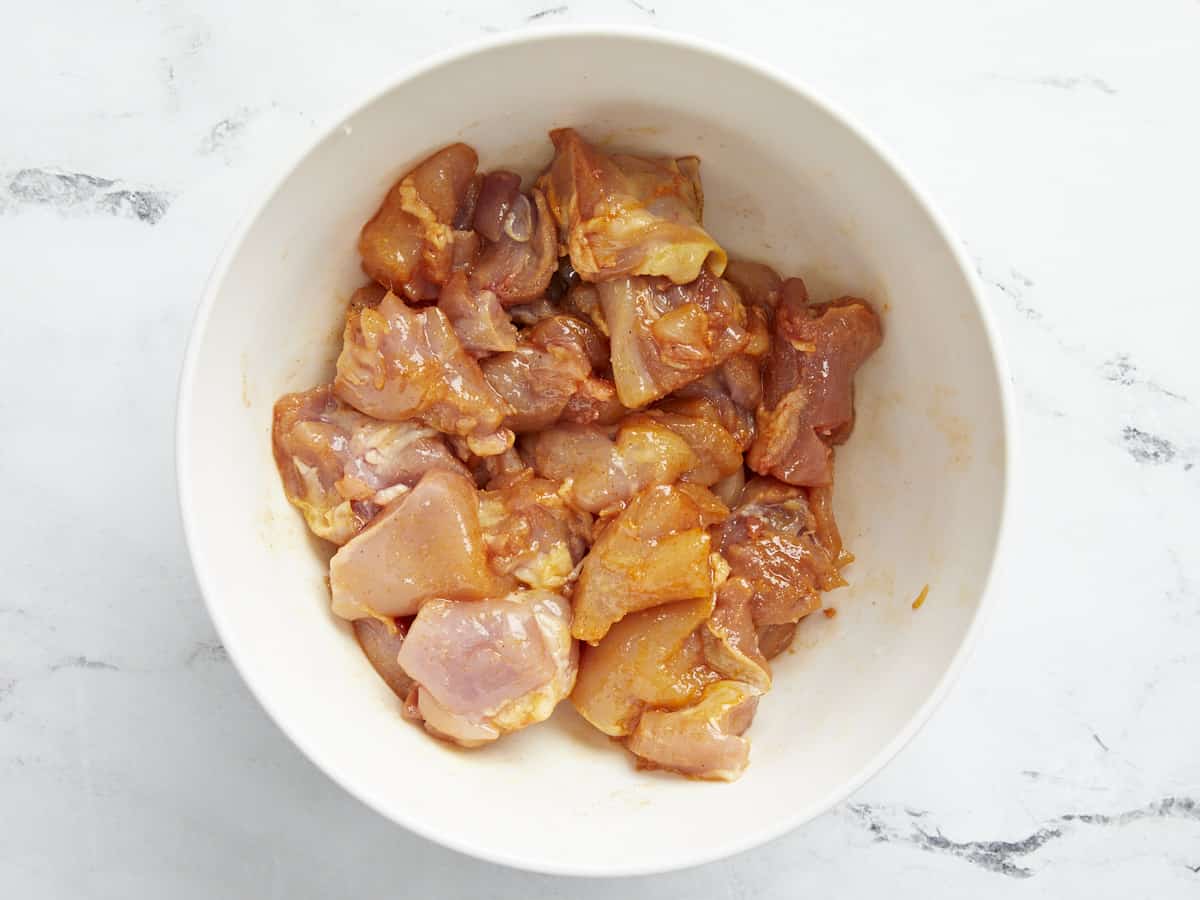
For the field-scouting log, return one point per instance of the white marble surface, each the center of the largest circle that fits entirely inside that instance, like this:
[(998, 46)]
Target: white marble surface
[(1062, 144)]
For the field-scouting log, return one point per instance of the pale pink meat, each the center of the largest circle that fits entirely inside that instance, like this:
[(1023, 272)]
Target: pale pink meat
[(340, 467), (487, 667), (400, 363), (703, 740), (594, 403), (708, 396), (498, 194), (583, 300), (386, 569)]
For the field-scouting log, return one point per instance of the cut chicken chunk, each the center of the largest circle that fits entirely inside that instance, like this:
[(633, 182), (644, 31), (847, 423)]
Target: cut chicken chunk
[(409, 244), (655, 551), (704, 740), (476, 317), (602, 468), (386, 569), (583, 300), (774, 541), (774, 639), (520, 251), (664, 336), (716, 451), (340, 468), (709, 396), (487, 667), (595, 402), (625, 215), (734, 389), (808, 384), (552, 364), (653, 658), (730, 639), (399, 363), (487, 469), (530, 532)]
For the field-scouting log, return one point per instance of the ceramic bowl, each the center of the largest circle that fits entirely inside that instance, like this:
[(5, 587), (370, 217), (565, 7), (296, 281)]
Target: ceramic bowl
[(921, 486)]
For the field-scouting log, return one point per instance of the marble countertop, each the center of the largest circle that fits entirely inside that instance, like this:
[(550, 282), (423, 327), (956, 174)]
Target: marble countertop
[(1060, 142)]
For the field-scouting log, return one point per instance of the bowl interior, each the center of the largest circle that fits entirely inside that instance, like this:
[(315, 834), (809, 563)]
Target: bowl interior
[(920, 485)]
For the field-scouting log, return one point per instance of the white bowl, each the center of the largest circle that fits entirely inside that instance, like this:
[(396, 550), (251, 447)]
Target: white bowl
[(921, 486)]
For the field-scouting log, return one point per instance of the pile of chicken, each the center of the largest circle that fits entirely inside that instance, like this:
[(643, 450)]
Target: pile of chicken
[(534, 455)]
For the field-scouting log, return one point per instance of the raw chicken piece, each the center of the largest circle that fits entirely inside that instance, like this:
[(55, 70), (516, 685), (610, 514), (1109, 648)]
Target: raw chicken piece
[(664, 336), (820, 501), (703, 740), (708, 396), (487, 667), (734, 388), (729, 488), (426, 544), (594, 402), (530, 532), (601, 468), (579, 334), (653, 658), (340, 468), (730, 639), (774, 541), (808, 383), (774, 639), (525, 314), (652, 679), (583, 301), (380, 640), (655, 551), (717, 453), (477, 317), (624, 215), (520, 253), (409, 244), (552, 364), (486, 469), (605, 467), (741, 374), (759, 285), (494, 209), (399, 363)]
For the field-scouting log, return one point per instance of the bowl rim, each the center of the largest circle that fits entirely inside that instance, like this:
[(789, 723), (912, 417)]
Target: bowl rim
[(987, 600)]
